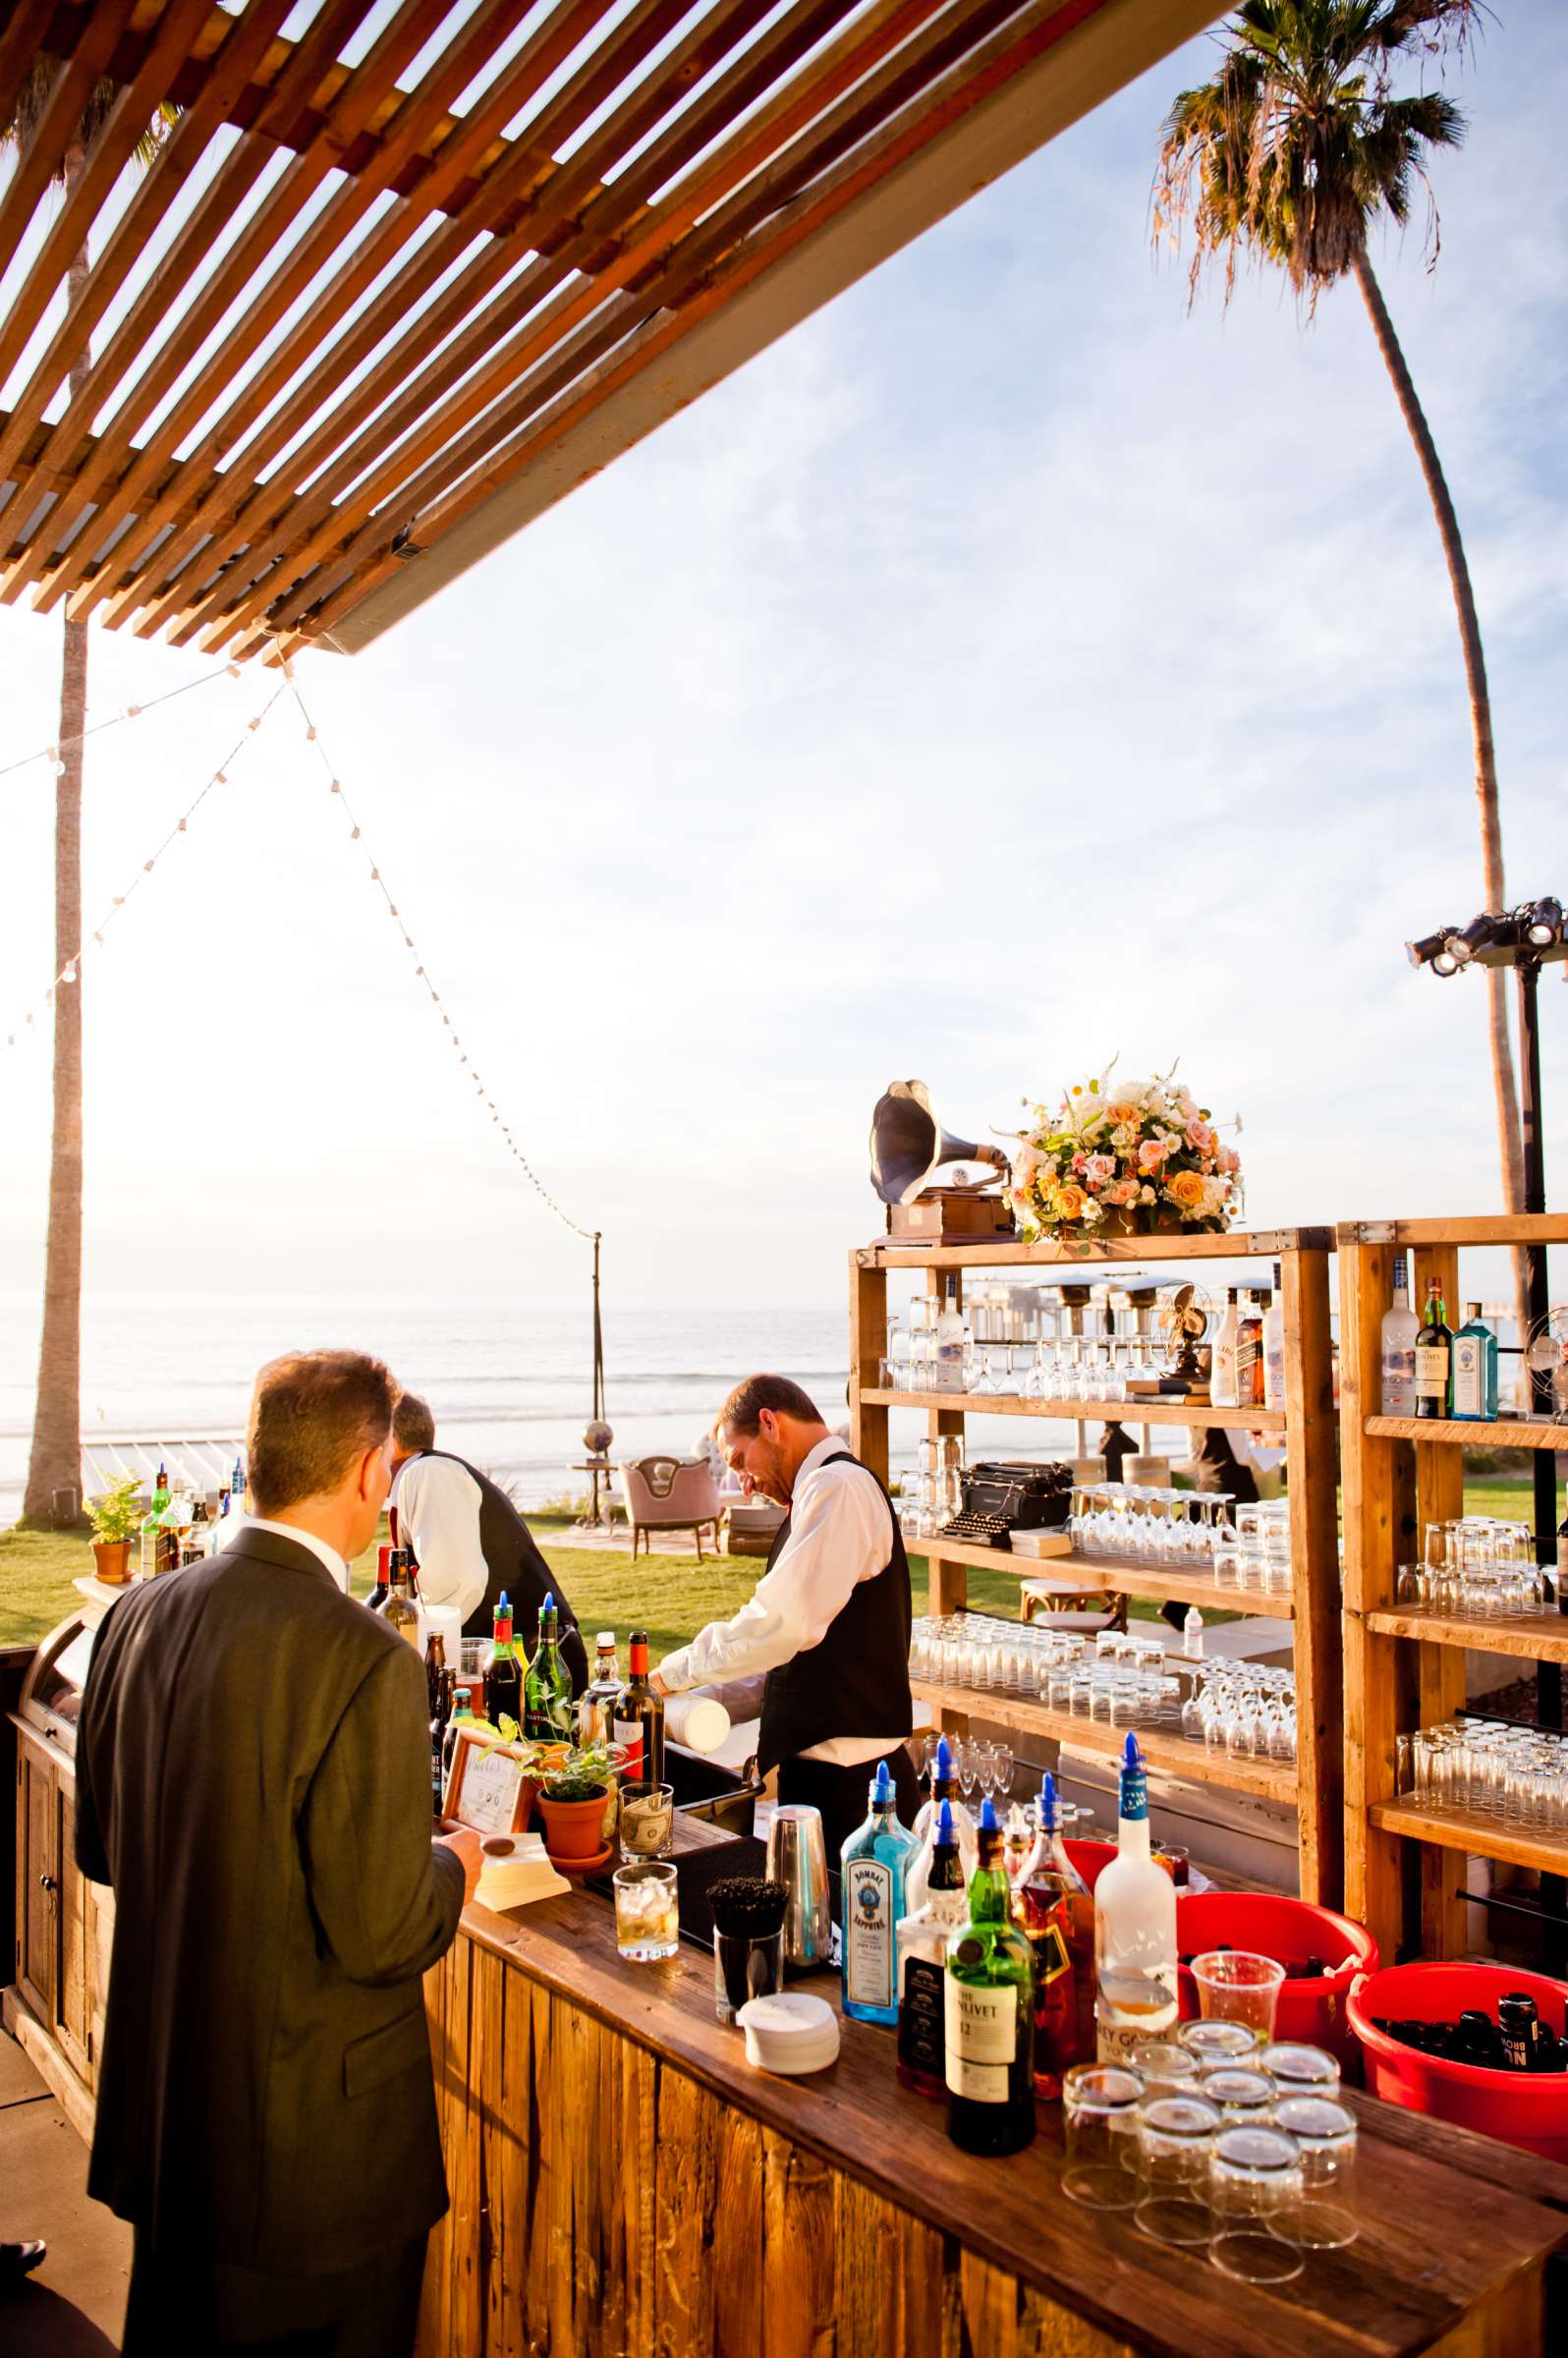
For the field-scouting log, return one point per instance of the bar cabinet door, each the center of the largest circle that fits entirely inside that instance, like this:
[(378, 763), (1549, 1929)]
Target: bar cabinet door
[(38, 1878), (72, 2021)]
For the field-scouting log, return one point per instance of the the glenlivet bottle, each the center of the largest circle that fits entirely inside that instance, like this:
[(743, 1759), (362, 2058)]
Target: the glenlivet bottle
[(989, 2018), (503, 1681), (1435, 1359), (639, 1717), (547, 1688)]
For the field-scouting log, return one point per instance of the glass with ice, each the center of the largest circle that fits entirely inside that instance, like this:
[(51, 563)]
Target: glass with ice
[(648, 1923)]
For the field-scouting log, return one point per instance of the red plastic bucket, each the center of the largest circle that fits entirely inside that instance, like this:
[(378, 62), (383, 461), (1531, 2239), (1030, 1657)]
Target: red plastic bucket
[(1290, 1931), (1522, 2109)]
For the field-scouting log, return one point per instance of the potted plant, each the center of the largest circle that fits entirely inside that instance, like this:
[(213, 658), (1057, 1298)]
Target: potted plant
[(116, 1518), (573, 1794)]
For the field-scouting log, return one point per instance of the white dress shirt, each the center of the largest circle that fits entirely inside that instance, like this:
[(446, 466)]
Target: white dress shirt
[(233, 1525), (840, 1534), (439, 1517)]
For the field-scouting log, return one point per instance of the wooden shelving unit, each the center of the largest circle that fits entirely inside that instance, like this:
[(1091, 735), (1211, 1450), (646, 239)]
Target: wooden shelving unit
[(1306, 1423), (1405, 1663)]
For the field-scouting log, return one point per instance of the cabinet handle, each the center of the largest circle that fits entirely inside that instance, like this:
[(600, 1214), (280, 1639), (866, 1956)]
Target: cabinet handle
[(49, 1882)]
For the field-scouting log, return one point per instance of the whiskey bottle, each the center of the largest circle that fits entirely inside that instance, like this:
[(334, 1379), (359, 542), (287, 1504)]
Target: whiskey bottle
[(988, 2023), (921, 1941), (1435, 1349)]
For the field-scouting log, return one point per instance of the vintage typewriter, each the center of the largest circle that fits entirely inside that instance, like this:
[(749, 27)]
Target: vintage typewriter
[(1002, 1497)]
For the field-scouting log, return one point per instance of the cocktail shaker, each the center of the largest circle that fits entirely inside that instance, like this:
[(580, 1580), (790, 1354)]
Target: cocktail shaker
[(797, 1858)]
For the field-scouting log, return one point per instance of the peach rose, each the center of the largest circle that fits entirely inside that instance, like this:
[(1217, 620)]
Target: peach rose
[(1187, 1189), (1151, 1154), (1069, 1202)]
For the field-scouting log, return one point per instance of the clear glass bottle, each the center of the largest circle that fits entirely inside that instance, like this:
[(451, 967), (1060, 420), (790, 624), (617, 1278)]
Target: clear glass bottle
[(874, 1865), (988, 2025), (1474, 1387), (921, 1939), (951, 1354), (1193, 1635), (944, 1787), (1222, 1363), (1399, 1332), (1275, 1345), (398, 1612), (1135, 1928), (595, 1711)]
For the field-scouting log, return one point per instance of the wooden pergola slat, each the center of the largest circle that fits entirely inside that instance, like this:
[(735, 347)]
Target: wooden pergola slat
[(499, 299)]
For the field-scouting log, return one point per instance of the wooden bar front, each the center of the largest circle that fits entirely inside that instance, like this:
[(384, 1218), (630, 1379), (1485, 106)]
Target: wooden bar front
[(624, 2183)]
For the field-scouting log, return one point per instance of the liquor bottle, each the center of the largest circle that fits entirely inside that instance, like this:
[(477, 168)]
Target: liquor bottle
[(440, 1716), (1475, 1377), (382, 1588), (921, 1939), (1053, 1910), (434, 1669), (944, 1787), (1435, 1351), (236, 1487), (461, 1715), (952, 1350), (547, 1688), (873, 1865), (1274, 1346), (638, 1722), (1249, 1353), (595, 1711), (196, 1545), (1193, 1635), (152, 1528), (987, 2015), (399, 1612), (503, 1680), (1223, 1363), (1135, 1928), (1400, 1328), (1016, 1843)]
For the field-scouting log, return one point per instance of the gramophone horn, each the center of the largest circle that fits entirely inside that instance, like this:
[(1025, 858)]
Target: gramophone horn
[(908, 1146)]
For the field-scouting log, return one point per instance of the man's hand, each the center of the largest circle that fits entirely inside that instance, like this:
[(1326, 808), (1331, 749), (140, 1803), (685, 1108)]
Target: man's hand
[(464, 1846)]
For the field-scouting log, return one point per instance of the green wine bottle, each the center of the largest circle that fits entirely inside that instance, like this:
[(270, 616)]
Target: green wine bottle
[(547, 1688), (988, 2023)]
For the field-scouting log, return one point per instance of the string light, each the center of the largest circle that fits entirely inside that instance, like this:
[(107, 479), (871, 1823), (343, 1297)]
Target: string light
[(335, 787), (52, 752), (71, 970)]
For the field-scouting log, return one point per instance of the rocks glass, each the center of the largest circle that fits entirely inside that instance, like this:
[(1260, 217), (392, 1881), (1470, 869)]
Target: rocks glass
[(1099, 2117), (648, 1923)]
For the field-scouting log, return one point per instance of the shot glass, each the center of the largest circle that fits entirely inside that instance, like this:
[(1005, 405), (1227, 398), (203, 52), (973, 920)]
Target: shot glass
[(1235, 1985), (1176, 2137), (1217, 2042), (1298, 2070), (1100, 2115), (1325, 2135), (648, 1923), (648, 1819), (1255, 2194), (1245, 2098), (1166, 2068)]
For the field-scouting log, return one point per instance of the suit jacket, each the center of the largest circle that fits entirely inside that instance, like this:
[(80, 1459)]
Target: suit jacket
[(254, 1778)]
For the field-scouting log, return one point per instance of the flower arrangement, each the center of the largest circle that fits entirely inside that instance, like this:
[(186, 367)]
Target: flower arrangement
[(1123, 1155)]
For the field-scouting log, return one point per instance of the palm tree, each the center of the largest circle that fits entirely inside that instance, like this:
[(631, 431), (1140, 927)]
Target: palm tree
[(54, 1469), (1288, 156)]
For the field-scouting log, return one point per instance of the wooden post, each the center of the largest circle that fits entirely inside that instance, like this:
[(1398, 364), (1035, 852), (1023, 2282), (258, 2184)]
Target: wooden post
[(1312, 1472), (867, 1308), (947, 1589)]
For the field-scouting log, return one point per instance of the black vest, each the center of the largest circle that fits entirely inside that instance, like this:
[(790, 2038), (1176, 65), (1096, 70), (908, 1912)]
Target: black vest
[(513, 1563), (855, 1681)]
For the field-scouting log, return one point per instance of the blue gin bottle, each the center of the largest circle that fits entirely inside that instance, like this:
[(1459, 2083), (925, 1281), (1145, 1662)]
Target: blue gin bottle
[(874, 1863)]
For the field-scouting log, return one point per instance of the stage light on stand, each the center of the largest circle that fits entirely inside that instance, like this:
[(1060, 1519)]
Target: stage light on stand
[(1425, 951), (1543, 922)]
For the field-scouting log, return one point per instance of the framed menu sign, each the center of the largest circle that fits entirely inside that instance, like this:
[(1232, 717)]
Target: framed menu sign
[(485, 1786)]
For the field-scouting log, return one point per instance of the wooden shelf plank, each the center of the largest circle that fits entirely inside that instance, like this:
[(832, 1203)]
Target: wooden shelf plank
[(1261, 1245), (1471, 1831), (1501, 1432), (1133, 1574), (1537, 1637), (1489, 1228), (1269, 1780), (1095, 1412)]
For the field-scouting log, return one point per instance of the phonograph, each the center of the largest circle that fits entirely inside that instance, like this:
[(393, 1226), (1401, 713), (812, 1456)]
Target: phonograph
[(909, 1146)]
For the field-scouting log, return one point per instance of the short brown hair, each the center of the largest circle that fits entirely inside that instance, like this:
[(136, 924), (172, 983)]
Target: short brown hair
[(742, 1411), (312, 1413), (413, 1425)]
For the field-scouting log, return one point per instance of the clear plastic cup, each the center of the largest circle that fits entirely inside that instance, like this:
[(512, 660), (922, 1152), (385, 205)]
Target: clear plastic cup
[(1236, 1986)]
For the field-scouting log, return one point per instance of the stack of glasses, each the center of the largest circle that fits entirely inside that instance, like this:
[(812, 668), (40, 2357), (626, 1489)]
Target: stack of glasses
[(1479, 1565), (930, 1496), (1518, 1776), (1255, 1551), (1157, 1526)]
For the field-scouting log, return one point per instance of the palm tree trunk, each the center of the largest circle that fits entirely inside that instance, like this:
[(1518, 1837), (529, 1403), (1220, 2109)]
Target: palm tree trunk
[(54, 1469), (1509, 1136)]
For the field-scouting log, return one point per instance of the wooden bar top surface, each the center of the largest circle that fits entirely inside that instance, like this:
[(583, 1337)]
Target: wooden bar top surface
[(1448, 2217)]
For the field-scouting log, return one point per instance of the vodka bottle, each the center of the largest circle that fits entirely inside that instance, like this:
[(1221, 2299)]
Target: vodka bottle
[(1135, 1929), (1400, 1324), (952, 1343), (874, 1863)]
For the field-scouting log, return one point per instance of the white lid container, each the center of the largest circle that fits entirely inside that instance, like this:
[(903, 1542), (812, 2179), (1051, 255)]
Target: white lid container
[(789, 2031)]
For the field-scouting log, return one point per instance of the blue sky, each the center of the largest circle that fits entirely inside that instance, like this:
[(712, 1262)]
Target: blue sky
[(1007, 670)]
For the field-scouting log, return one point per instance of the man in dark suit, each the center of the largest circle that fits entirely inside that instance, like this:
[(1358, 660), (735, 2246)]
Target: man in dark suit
[(253, 1777)]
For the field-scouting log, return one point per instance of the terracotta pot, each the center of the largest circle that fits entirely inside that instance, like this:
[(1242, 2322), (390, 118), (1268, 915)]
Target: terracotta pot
[(573, 1830), (113, 1560)]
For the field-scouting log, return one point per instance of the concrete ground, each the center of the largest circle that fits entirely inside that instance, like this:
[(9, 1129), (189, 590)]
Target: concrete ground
[(72, 2306)]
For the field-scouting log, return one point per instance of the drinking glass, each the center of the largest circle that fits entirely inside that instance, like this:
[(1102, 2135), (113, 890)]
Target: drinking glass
[(648, 1819), (1323, 2132), (1235, 1985), (1001, 1766), (1244, 2096), (968, 1766), (1099, 2114), (648, 1923), (1255, 2183), (1298, 2070), (1215, 2042), (1164, 2068), (1176, 2136)]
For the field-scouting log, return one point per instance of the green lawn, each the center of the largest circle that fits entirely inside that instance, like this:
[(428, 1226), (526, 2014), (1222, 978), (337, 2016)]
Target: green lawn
[(670, 1596)]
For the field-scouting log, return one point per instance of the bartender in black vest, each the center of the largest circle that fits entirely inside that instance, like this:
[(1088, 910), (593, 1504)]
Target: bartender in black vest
[(829, 1621), (469, 1542)]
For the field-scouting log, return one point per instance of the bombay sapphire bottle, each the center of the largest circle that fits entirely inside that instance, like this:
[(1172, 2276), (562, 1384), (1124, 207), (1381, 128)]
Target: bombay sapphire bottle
[(874, 1863)]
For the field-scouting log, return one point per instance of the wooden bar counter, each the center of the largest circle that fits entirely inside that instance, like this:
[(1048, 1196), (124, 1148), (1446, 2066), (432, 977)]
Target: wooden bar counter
[(624, 2184)]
